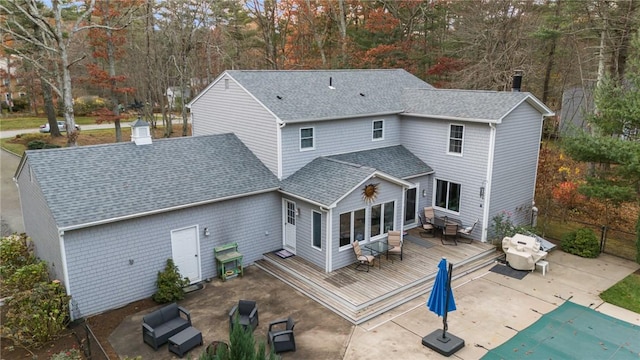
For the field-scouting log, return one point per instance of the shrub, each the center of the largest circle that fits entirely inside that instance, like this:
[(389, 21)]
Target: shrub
[(582, 242), (243, 346), (36, 144), (37, 316), (170, 284), (27, 277), (39, 144), (503, 226), (85, 105), (16, 251)]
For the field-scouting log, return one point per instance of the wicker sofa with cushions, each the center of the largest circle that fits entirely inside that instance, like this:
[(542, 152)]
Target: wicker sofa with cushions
[(160, 325), (523, 252)]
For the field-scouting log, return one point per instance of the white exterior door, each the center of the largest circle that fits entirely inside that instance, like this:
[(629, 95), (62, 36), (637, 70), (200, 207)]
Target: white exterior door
[(289, 214), (186, 252)]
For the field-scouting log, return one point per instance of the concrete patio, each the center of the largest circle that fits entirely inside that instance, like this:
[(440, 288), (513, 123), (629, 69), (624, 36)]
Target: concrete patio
[(491, 309)]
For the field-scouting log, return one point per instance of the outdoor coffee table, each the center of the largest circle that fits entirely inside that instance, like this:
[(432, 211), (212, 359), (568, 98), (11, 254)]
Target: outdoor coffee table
[(185, 340), (377, 248)]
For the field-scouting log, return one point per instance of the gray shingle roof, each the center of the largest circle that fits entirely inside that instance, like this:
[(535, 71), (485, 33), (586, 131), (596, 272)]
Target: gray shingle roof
[(396, 161), (326, 179), (123, 179), (462, 104), (305, 94)]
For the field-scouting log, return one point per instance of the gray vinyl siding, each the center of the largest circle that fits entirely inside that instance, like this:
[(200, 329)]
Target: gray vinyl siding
[(386, 192), (39, 223), (428, 139), (101, 277), (515, 164), (221, 111), (335, 137), (304, 239)]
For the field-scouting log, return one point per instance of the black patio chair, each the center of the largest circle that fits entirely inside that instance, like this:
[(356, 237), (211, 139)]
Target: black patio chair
[(247, 313), (280, 335)]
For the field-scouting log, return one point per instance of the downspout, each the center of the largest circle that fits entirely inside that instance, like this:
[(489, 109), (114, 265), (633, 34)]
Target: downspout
[(65, 272), (328, 259), (402, 214), (488, 181)]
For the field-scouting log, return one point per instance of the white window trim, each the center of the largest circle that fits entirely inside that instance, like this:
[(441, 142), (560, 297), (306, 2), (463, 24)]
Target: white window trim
[(449, 138), (373, 130), (312, 245), (351, 233), (313, 138), (384, 234), (435, 194)]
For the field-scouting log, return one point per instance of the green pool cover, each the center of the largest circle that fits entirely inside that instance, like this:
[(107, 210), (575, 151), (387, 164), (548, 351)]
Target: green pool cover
[(572, 332)]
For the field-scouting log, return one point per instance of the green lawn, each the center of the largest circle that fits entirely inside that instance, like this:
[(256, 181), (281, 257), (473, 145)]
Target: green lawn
[(32, 122), (625, 293)]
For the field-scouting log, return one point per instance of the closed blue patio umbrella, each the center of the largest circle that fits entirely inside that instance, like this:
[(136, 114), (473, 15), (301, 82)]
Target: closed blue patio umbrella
[(441, 302), (441, 299)]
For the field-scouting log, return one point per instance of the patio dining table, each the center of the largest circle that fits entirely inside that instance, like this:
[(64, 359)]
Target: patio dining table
[(441, 222), (377, 248)]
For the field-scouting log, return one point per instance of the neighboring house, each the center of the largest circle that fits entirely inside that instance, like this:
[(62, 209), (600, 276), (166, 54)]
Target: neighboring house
[(304, 160), (10, 85), (174, 93), (329, 134)]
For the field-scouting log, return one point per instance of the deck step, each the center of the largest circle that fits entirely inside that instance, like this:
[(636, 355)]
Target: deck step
[(367, 310)]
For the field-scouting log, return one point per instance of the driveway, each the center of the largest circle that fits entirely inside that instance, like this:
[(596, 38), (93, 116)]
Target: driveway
[(491, 308)]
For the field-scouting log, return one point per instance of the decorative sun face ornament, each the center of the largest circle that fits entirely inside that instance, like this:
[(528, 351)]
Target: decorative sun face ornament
[(370, 192)]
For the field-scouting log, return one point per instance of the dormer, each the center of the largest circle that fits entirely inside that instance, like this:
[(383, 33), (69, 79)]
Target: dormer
[(140, 133)]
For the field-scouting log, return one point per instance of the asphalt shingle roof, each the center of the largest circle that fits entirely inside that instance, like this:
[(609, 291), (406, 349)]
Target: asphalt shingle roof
[(463, 104), (326, 179), (123, 179), (300, 95), (396, 161)]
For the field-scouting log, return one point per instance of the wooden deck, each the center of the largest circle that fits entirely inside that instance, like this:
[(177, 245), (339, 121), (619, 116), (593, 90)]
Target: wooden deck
[(359, 295)]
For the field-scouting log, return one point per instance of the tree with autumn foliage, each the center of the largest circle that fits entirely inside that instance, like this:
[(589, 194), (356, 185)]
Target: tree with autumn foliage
[(107, 42)]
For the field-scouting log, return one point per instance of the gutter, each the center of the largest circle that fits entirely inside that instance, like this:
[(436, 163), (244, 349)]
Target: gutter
[(352, 116), (454, 118), (323, 207), (419, 175)]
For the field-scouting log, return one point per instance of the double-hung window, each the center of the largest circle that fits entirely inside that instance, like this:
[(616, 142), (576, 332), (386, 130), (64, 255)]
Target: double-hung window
[(306, 139), (378, 130), (455, 139), (352, 227), (382, 218), (448, 195)]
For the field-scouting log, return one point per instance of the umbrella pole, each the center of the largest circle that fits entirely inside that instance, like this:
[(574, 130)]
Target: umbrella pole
[(446, 304)]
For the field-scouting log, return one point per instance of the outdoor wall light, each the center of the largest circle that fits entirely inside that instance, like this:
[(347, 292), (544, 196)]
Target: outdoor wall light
[(424, 192), (482, 192), (206, 231)]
